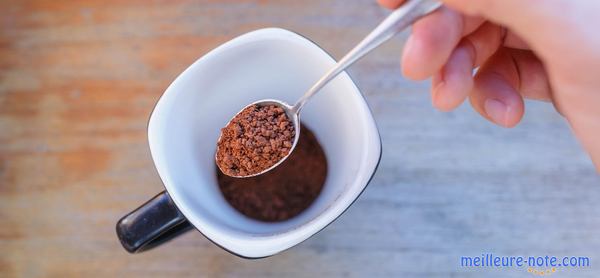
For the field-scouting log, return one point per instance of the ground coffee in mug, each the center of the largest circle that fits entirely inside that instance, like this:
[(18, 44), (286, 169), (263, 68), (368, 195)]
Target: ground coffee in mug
[(283, 192)]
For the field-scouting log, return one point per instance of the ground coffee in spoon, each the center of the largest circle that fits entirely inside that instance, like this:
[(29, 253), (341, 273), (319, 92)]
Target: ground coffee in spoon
[(254, 140), (283, 192)]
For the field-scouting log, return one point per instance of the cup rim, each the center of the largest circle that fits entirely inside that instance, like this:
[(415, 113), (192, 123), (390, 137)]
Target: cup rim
[(273, 32)]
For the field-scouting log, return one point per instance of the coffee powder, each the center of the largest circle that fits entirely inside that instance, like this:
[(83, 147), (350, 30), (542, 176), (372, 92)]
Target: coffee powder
[(283, 192), (254, 140)]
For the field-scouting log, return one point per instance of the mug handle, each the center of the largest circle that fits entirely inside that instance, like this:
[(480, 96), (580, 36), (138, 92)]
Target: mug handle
[(152, 224)]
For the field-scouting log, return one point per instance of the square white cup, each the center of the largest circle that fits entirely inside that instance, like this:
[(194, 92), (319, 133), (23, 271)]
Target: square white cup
[(185, 124)]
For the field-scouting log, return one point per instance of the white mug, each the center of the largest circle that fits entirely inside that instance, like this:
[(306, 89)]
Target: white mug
[(185, 124)]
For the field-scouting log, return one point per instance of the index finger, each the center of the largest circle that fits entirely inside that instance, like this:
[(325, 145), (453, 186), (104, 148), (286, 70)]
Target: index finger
[(390, 4)]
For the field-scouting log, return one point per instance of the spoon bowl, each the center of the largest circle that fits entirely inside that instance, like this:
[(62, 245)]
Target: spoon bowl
[(292, 115)]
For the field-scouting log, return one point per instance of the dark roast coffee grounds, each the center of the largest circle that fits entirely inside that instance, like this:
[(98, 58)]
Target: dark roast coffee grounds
[(255, 139), (283, 192)]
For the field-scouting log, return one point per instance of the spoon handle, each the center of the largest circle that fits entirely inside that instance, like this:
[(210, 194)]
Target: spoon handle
[(397, 21)]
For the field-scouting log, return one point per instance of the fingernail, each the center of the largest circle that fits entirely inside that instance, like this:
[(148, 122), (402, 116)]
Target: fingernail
[(409, 44), (496, 110), (437, 83), (408, 51)]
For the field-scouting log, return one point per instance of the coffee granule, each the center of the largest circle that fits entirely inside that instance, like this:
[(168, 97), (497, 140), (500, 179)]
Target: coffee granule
[(255, 139), (283, 192)]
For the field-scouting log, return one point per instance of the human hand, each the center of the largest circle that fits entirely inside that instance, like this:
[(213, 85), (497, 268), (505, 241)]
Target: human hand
[(544, 50)]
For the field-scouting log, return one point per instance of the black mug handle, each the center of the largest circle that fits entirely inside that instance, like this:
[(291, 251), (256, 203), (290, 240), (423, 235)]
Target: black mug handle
[(154, 223)]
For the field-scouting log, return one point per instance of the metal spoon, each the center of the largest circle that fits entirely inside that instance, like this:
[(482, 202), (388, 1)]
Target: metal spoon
[(397, 21)]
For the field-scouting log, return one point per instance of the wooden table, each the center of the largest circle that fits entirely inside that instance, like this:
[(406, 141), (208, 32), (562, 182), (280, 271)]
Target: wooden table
[(78, 80)]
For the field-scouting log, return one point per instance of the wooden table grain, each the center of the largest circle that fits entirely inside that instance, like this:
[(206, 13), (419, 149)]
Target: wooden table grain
[(78, 80)]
